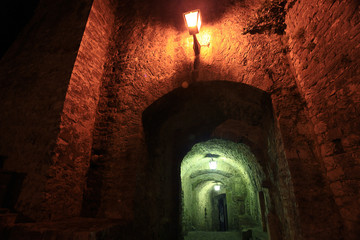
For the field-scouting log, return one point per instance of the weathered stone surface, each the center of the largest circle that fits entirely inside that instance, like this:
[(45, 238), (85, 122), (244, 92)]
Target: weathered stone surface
[(34, 78), (327, 70), (71, 160), (73, 99)]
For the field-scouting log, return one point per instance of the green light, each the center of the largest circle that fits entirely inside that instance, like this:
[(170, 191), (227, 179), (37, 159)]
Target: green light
[(212, 164), (238, 176)]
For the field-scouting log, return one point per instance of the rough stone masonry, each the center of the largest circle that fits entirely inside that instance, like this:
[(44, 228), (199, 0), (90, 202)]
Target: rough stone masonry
[(75, 83)]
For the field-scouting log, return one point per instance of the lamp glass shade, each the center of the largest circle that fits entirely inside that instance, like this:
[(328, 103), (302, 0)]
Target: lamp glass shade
[(212, 164), (193, 21)]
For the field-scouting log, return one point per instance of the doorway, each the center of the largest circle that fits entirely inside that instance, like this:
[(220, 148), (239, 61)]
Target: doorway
[(220, 201)]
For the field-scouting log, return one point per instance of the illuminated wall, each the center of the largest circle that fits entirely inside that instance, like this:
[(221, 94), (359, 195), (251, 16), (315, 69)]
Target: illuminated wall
[(239, 176), (83, 90)]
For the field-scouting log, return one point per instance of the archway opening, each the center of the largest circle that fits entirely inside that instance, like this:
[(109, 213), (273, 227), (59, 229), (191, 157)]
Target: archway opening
[(233, 124), (220, 182)]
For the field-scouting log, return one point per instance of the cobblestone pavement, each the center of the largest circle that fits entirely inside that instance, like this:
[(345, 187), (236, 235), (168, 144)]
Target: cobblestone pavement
[(198, 235)]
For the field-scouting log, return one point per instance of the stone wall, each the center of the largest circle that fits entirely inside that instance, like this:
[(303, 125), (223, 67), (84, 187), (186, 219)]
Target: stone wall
[(56, 72), (150, 55), (35, 74), (66, 178), (55, 75), (323, 38)]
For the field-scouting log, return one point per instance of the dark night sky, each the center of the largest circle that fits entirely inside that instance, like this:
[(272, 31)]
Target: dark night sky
[(14, 14)]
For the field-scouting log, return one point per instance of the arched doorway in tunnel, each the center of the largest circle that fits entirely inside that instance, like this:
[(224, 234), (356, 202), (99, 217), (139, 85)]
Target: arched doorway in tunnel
[(221, 210), (220, 182), (231, 123)]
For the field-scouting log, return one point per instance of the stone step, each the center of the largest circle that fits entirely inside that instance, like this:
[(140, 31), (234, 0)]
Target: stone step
[(256, 234), (76, 228), (4, 210), (8, 219), (203, 235)]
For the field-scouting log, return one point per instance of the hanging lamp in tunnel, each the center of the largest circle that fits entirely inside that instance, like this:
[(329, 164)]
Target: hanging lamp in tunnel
[(193, 23), (212, 164), (217, 187)]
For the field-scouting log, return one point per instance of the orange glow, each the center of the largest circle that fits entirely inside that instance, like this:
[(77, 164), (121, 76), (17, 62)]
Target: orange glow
[(193, 21)]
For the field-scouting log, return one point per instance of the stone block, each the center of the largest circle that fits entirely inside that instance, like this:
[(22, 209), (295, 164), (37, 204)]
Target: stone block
[(351, 141), (336, 174), (327, 149), (337, 188), (330, 163), (353, 172)]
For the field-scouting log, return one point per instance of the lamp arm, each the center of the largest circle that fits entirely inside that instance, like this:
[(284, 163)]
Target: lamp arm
[(197, 45)]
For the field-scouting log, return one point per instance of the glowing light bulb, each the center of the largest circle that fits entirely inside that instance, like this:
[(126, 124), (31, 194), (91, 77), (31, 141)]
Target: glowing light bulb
[(217, 187), (193, 21), (212, 164)]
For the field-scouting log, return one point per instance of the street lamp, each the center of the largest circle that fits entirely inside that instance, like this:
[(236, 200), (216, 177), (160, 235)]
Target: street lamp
[(212, 164), (193, 23)]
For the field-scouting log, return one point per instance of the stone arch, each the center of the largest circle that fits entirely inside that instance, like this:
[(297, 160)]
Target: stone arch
[(184, 117), (240, 177)]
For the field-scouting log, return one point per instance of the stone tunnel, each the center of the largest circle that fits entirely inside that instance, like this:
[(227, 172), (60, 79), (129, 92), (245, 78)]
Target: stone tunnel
[(113, 127)]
